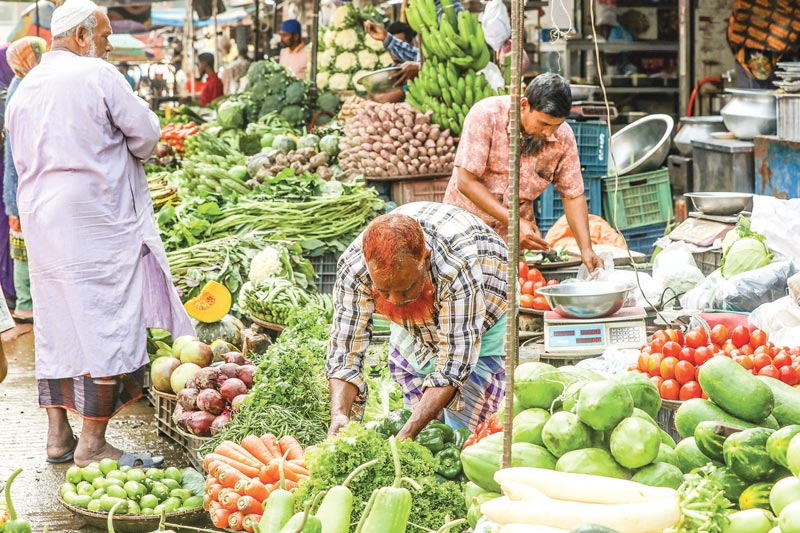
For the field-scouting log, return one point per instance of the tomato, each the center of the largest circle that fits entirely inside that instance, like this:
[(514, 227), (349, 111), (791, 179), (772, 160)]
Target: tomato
[(728, 347), (675, 335), (661, 335), (701, 355), (745, 361), (697, 374), (657, 345), (647, 349), (535, 275), (526, 300), (671, 349), (540, 303), (523, 269), (782, 359), (689, 390), (668, 367), (657, 381), (552, 282), (696, 338), (740, 336), (527, 288), (684, 372), (770, 371), (757, 338), (687, 354), (746, 350), (670, 390), (789, 375), (654, 364), (538, 285), (719, 334), (642, 362), (794, 350), (762, 360)]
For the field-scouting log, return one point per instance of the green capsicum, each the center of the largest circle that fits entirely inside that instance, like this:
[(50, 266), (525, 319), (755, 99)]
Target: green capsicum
[(15, 525), (447, 431), (460, 436), (432, 439), (395, 421), (448, 463)]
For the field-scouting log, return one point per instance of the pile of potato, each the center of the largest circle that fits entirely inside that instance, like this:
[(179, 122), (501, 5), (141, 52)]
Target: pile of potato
[(394, 140)]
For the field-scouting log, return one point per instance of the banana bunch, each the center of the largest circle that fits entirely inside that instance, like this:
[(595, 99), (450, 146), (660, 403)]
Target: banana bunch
[(456, 38), (161, 192), (439, 87)]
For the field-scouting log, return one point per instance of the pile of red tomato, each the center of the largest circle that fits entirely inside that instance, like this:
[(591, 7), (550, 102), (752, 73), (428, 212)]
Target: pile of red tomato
[(673, 360), (531, 279), (174, 134)]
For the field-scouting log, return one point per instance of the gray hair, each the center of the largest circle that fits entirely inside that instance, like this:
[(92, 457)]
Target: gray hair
[(89, 24)]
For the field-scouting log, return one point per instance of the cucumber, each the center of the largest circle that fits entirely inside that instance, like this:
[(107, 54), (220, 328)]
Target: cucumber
[(697, 410), (787, 401), (778, 443), (724, 381), (708, 441), (746, 455)]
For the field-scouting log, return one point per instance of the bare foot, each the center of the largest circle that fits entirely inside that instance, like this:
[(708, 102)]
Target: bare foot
[(60, 438), (86, 453)]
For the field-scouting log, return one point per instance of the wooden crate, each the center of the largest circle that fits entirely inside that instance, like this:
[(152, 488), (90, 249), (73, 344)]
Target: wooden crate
[(164, 407)]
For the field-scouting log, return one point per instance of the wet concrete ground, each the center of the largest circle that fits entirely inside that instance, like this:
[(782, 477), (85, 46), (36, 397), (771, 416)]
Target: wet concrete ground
[(23, 437)]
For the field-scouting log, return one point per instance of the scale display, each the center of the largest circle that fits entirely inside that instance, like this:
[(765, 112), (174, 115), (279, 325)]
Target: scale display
[(593, 336)]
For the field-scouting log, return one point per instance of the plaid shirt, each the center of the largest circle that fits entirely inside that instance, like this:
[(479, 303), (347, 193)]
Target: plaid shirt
[(401, 50), (468, 271)]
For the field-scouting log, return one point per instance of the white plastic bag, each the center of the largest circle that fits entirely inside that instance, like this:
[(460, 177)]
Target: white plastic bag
[(493, 76), (779, 221), (675, 271), (776, 316), (496, 24)]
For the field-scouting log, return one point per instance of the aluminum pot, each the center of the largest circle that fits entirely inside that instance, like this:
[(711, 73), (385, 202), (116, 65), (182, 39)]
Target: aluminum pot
[(696, 128), (750, 113), (642, 146)]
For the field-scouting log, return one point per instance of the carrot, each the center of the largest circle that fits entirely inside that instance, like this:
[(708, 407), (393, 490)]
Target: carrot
[(240, 485), (245, 469), (256, 446), (213, 491), (206, 501), (211, 480), (229, 500), (290, 485), (291, 445), (237, 453), (220, 518), (212, 467), (229, 476), (251, 521), (257, 490), (213, 506), (235, 521), (271, 443), (249, 505)]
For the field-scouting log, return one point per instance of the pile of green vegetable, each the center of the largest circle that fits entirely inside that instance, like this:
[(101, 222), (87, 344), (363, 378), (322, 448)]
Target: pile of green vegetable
[(309, 154), (744, 250)]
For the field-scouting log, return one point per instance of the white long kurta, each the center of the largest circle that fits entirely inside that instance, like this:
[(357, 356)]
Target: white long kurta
[(99, 272)]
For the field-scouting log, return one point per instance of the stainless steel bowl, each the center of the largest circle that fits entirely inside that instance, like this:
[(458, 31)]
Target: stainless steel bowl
[(378, 81), (592, 299), (642, 146), (750, 113), (696, 128), (582, 93), (720, 203)]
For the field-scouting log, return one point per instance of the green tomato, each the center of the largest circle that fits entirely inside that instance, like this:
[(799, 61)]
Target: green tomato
[(174, 473), (117, 492), (82, 501), (148, 501), (135, 474), (160, 491), (107, 502), (117, 474), (155, 474), (108, 465), (112, 482), (99, 482), (99, 493), (147, 511), (90, 473), (84, 488), (181, 494), (158, 509), (68, 487), (133, 507), (74, 475), (135, 490), (125, 468), (171, 483), (94, 506), (69, 497), (171, 504)]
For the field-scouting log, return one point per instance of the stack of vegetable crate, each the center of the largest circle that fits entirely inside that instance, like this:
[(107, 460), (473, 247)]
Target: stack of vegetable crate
[(592, 140)]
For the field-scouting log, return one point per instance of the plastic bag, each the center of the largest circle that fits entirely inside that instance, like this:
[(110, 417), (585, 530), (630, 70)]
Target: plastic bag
[(493, 75), (676, 271), (606, 13), (703, 296), (776, 317), (613, 361), (496, 24), (748, 291), (794, 288), (779, 221)]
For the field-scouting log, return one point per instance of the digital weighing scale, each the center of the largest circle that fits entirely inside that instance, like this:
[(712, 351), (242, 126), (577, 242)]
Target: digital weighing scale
[(589, 336)]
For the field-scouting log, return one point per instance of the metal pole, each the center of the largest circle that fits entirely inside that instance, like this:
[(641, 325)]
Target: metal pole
[(257, 28), (685, 28), (190, 49), (38, 20), (217, 59), (512, 333), (314, 47)]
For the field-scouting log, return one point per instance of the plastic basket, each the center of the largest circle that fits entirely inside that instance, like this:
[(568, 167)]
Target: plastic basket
[(642, 239), (666, 418), (192, 447), (165, 406), (548, 208), (708, 261), (425, 190), (592, 140), (325, 269), (641, 199)]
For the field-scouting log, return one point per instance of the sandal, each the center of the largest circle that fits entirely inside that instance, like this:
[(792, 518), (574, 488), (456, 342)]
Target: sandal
[(140, 460), (64, 457)]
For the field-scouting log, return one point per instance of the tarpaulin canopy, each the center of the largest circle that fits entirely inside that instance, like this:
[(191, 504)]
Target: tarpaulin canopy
[(34, 19), (177, 17)]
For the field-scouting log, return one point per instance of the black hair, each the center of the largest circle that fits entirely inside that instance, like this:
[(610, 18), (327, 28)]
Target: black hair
[(550, 94), (206, 58), (401, 27), (243, 51)]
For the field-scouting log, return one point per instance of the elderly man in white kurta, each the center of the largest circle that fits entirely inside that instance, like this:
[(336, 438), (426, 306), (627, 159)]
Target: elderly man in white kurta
[(99, 273)]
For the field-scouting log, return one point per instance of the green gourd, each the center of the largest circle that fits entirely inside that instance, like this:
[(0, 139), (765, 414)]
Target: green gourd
[(337, 506)]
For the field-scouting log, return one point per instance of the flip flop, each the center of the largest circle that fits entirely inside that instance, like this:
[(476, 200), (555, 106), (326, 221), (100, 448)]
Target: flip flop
[(65, 457), (140, 460)]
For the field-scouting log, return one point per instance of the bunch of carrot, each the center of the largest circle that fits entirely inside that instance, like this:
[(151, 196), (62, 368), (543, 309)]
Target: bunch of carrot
[(242, 476)]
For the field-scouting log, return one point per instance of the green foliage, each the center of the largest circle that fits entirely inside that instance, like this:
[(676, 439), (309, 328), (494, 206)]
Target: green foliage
[(329, 102)]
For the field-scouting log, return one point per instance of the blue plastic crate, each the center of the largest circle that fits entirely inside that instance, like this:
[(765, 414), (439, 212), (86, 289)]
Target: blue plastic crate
[(592, 140), (642, 239), (548, 208)]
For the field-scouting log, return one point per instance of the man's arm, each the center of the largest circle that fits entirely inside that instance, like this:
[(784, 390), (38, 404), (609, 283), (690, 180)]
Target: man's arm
[(131, 115), (343, 395), (577, 214), (433, 401)]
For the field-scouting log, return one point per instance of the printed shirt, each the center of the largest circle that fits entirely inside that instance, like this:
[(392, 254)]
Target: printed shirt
[(402, 51), (468, 271), (484, 151)]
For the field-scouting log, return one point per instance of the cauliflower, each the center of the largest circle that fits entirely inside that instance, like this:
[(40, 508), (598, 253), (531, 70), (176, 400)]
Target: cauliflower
[(340, 16), (327, 58), (248, 285), (359, 87), (347, 39), (339, 82), (386, 59), (373, 44), (322, 80), (367, 59), (266, 264), (328, 38), (346, 62)]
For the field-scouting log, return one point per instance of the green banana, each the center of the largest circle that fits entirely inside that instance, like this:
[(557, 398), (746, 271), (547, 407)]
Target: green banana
[(455, 95), (462, 62), (452, 75), (481, 61), (448, 99)]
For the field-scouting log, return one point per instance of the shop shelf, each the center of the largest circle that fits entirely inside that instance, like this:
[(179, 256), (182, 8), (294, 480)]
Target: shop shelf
[(425, 190), (640, 199)]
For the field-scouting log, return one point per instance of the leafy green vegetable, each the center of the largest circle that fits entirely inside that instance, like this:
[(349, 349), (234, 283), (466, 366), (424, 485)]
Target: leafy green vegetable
[(702, 502), (230, 114), (194, 481), (436, 502), (744, 255)]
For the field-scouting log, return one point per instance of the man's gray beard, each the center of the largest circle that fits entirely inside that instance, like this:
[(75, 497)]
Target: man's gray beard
[(92, 51), (531, 145)]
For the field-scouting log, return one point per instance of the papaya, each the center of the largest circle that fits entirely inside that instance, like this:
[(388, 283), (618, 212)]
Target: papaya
[(211, 305), (592, 461), (604, 404), (696, 410), (644, 393), (538, 385)]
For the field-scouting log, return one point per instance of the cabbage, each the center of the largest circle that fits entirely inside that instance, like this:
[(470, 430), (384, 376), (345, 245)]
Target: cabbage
[(744, 255), (230, 114)]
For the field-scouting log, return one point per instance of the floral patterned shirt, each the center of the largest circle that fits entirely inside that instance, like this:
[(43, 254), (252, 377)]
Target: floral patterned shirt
[(484, 151)]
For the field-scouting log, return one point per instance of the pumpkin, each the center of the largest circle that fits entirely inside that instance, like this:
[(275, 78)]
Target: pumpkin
[(229, 329), (211, 305), (220, 347)]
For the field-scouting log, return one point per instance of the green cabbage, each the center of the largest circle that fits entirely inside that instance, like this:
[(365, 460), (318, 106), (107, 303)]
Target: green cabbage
[(230, 114), (744, 255)]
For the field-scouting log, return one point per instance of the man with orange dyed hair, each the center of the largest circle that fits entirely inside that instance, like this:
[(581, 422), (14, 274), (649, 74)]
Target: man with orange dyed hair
[(438, 273)]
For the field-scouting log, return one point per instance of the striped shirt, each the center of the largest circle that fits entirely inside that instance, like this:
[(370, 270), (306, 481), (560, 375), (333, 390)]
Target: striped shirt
[(468, 271)]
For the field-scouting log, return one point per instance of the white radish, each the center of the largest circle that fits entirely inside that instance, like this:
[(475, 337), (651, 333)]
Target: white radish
[(650, 517), (583, 487), (519, 491), (527, 528)]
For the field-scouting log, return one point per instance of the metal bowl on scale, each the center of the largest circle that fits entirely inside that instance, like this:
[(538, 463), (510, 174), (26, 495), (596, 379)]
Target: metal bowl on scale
[(592, 299), (720, 203), (642, 146), (378, 81)]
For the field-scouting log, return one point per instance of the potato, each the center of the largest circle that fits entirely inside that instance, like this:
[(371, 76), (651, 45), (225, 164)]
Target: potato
[(423, 169)]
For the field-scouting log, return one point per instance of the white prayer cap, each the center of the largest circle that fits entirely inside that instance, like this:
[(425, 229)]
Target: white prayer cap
[(70, 14)]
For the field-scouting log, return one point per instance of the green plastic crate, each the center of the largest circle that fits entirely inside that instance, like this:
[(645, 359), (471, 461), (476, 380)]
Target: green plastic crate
[(641, 199)]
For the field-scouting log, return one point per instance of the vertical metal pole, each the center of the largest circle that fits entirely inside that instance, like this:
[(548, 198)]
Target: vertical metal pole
[(190, 49), (685, 27), (217, 59), (312, 89), (512, 334), (257, 29)]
